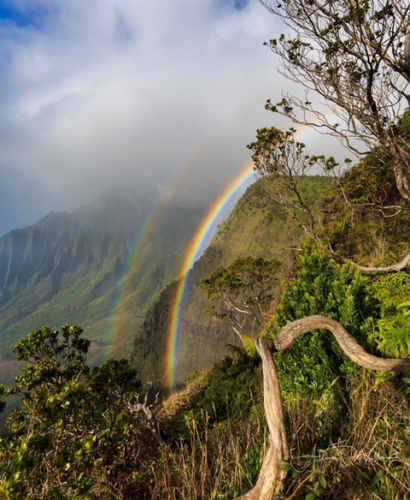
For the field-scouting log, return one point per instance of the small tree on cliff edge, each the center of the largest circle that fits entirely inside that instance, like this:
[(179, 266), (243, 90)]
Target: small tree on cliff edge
[(245, 289)]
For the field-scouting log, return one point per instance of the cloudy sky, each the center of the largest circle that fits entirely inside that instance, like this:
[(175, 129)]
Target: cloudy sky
[(103, 94)]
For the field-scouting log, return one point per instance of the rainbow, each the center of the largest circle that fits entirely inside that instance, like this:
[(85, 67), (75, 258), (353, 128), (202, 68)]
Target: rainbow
[(171, 349), (191, 255), (145, 233)]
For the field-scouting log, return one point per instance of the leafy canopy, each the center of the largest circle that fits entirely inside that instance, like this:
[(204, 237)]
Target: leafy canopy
[(70, 436), (245, 289)]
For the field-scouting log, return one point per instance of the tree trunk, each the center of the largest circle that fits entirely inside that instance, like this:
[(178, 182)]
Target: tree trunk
[(271, 477)]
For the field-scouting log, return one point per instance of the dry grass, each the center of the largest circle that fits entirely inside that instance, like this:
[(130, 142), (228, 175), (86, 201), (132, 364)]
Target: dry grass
[(216, 462), (369, 460), (184, 399)]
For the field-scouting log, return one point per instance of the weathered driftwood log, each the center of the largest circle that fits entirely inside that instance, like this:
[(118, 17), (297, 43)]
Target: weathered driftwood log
[(271, 476)]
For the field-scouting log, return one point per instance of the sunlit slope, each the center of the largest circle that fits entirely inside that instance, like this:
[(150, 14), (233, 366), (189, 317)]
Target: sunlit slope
[(256, 227), (71, 268)]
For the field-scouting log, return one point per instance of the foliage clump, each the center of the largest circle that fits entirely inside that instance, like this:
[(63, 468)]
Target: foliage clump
[(244, 289), (365, 216), (70, 437)]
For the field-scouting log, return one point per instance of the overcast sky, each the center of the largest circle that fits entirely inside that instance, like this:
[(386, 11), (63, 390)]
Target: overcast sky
[(103, 94)]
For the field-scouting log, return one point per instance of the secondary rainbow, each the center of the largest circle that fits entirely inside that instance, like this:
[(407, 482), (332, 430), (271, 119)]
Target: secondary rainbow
[(194, 250), (145, 233)]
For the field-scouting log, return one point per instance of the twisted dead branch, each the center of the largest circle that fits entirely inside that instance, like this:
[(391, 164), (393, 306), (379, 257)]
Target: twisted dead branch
[(271, 476), (399, 266), (134, 406)]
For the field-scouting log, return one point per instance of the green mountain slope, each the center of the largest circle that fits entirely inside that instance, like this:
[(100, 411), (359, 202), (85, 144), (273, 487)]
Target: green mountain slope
[(75, 268), (257, 227)]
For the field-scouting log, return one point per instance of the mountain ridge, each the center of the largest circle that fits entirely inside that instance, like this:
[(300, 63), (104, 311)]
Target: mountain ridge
[(258, 227), (68, 268)]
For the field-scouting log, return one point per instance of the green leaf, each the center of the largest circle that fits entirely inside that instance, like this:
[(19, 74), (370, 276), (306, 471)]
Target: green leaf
[(377, 478), (322, 481), (249, 345), (285, 465)]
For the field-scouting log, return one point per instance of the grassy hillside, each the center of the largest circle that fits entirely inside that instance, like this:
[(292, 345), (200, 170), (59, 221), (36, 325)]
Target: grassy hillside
[(257, 227)]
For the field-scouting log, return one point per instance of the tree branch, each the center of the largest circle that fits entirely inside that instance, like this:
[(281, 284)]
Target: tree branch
[(271, 476), (399, 266), (289, 333)]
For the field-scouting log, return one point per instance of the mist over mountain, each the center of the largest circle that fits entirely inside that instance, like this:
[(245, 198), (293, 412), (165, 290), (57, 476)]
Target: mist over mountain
[(110, 258), (61, 242), (99, 96)]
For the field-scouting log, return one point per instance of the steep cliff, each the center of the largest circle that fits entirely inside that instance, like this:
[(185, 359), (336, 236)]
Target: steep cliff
[(256, 227), (104, 262)]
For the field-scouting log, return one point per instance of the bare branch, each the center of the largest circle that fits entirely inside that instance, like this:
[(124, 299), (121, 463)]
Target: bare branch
[(271, 477), (289, 333), (134, 406), (365, 269), (355, 56)]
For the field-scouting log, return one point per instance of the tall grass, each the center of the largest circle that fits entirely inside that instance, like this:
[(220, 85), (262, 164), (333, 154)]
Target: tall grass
[(365, 455), (217, 461)]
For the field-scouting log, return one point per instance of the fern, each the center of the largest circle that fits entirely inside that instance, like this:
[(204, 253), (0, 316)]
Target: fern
[(249, 346)]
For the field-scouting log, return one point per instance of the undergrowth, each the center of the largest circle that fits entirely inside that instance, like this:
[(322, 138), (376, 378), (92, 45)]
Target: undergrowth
[(354, 448)]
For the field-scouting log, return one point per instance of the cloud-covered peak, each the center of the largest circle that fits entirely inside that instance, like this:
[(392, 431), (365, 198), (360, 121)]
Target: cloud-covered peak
[(114, 93)]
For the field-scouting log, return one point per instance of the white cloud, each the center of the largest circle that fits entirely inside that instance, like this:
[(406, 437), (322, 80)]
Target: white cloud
[(108, 93)]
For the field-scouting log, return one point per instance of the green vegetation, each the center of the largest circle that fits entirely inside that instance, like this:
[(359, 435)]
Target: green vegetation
[(71, 434), (257, 227), (314, 361), (77, 266), (83, 433), (245, 289), (322, 389), (76, 435)]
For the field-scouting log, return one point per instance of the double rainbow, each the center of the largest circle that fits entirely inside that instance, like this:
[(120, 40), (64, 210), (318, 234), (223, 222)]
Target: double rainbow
[(171, 350), (145, 233), (195, 247)]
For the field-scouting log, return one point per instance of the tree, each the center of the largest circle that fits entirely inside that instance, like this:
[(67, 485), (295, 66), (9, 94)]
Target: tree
[(71, 437), (274, 468), (319, 286), (356, 55), (245, 289), (284, 162)]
